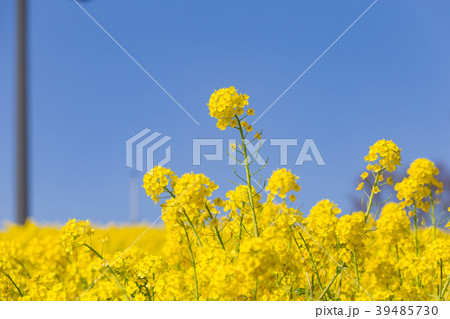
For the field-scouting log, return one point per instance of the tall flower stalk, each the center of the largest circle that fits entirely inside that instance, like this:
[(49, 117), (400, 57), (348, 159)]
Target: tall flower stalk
[(230, 108)]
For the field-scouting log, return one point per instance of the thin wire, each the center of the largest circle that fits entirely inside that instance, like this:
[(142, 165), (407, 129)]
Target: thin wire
[(315, 61), (136, 62)]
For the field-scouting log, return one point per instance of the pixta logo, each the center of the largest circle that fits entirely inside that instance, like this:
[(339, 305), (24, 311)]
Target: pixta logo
[(141, 147), (308, 152)]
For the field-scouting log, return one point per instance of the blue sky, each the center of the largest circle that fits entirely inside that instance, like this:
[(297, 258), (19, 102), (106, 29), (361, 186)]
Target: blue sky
[(386, 78)]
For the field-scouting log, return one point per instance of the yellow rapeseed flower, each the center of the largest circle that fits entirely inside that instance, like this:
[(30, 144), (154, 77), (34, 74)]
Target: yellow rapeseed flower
[(281, 182), (225, 104), (383, 155)]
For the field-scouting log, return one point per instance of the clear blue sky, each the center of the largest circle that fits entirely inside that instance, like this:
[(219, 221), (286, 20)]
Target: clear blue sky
[(388, 77)]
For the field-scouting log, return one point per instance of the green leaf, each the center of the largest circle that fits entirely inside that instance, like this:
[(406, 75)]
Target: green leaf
[(300, 291)]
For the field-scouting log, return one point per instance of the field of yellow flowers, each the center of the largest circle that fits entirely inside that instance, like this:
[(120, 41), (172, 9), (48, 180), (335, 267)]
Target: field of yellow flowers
[(253, 244)]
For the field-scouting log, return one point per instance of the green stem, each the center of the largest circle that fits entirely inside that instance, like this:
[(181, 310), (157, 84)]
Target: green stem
[(171, 194), (188, 219), (441, 283), (240, 233), (433, 213), (148, 294), (316, 272), (111, 270), (17, 287), (340, 286), (327, 288), (372, 193), (256, 289), (398, 260), (355, 260), (193, 228), (416, 231), (444, 289), (249, 183), (216, 230), (416, 238), (309, 283), (192, 260)]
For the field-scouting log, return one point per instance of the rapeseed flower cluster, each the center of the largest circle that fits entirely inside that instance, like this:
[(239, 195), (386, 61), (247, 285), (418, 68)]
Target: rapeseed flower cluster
[(418, 186), (383, 155), (159, 179), (252, 244), (75, 234), (281, 182), (226, 105)]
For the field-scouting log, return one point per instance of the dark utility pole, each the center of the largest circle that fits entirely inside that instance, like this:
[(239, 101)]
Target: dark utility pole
[(21, 125)]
